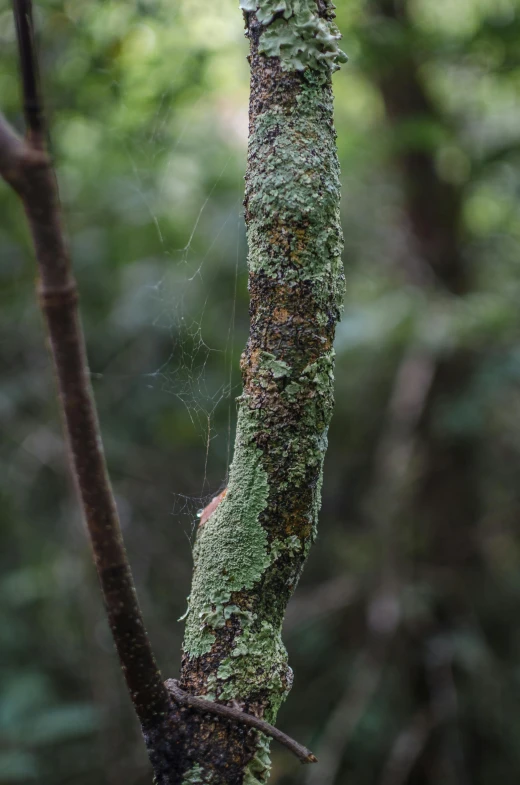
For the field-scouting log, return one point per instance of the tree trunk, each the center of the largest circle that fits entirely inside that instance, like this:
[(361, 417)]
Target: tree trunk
[(250, 552), (446, 502), (253, 541)]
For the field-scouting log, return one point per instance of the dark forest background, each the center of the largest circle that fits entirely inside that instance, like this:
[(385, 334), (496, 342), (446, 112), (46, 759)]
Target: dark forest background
[(404, 634)]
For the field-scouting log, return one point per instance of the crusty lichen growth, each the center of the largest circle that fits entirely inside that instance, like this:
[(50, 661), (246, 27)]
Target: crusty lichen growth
[(231, 550), (194, 776), (259, 768), (296, 193), (249, 554)]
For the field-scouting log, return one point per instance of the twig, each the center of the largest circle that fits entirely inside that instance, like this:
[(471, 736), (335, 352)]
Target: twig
[(26, 166), (210, 707)]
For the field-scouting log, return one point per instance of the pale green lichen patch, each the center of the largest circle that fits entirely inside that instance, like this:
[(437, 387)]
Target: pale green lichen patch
[(249, 554), (231, 552), (293, 196), (259, 768), (278, 368), (258, 660), (297, 34), (194, 776), (291, 544), (313, 389), (257, 663), (321, 373)]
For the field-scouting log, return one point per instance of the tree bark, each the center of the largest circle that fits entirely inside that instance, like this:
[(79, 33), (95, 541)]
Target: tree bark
[(250, 552), (252, 543)]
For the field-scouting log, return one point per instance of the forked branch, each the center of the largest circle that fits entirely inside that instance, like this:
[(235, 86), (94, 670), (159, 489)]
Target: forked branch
[(26, 165)]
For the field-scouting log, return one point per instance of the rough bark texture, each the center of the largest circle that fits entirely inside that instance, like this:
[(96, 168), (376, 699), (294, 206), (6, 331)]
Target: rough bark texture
[(250, 552)]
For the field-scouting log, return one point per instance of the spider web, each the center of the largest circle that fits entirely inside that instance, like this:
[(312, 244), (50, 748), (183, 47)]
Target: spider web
[(177, 301), (173, 138)]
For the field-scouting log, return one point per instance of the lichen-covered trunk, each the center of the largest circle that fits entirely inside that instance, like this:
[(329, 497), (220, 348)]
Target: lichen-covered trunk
[(250, 552)]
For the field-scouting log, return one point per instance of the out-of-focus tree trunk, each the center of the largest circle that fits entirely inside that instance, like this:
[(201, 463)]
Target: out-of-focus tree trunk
[(445, 506), (447, 500)]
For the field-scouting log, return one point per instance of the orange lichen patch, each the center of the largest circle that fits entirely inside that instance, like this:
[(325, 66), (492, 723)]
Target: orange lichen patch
[(280, 315), (297, 525), (254, 360), (208, 511)]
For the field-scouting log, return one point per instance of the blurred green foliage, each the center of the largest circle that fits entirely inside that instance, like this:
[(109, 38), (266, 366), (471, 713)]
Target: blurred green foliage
[(147, 103)]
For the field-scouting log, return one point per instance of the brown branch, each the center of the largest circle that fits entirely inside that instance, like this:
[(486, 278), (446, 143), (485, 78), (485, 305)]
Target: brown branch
[(32, 106), (210, 707), (27, 167)]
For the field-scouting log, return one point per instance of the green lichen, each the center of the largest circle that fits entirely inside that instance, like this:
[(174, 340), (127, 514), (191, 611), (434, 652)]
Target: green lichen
[(250, 552), (278, 368), (316, 506), (292, 389), (259, 768), (292, 545), (185, 614), (313, 389), (293, 196), (321, 373), (296, 34), (194, 776), (231, 552), (257, 663)]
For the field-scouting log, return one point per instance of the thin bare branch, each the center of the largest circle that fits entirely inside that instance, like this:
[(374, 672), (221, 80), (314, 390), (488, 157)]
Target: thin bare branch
[(209, 707), (27, 167), (32, 104)]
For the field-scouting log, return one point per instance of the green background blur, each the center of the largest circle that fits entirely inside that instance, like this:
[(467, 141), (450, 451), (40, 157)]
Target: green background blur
[(404, 634)]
